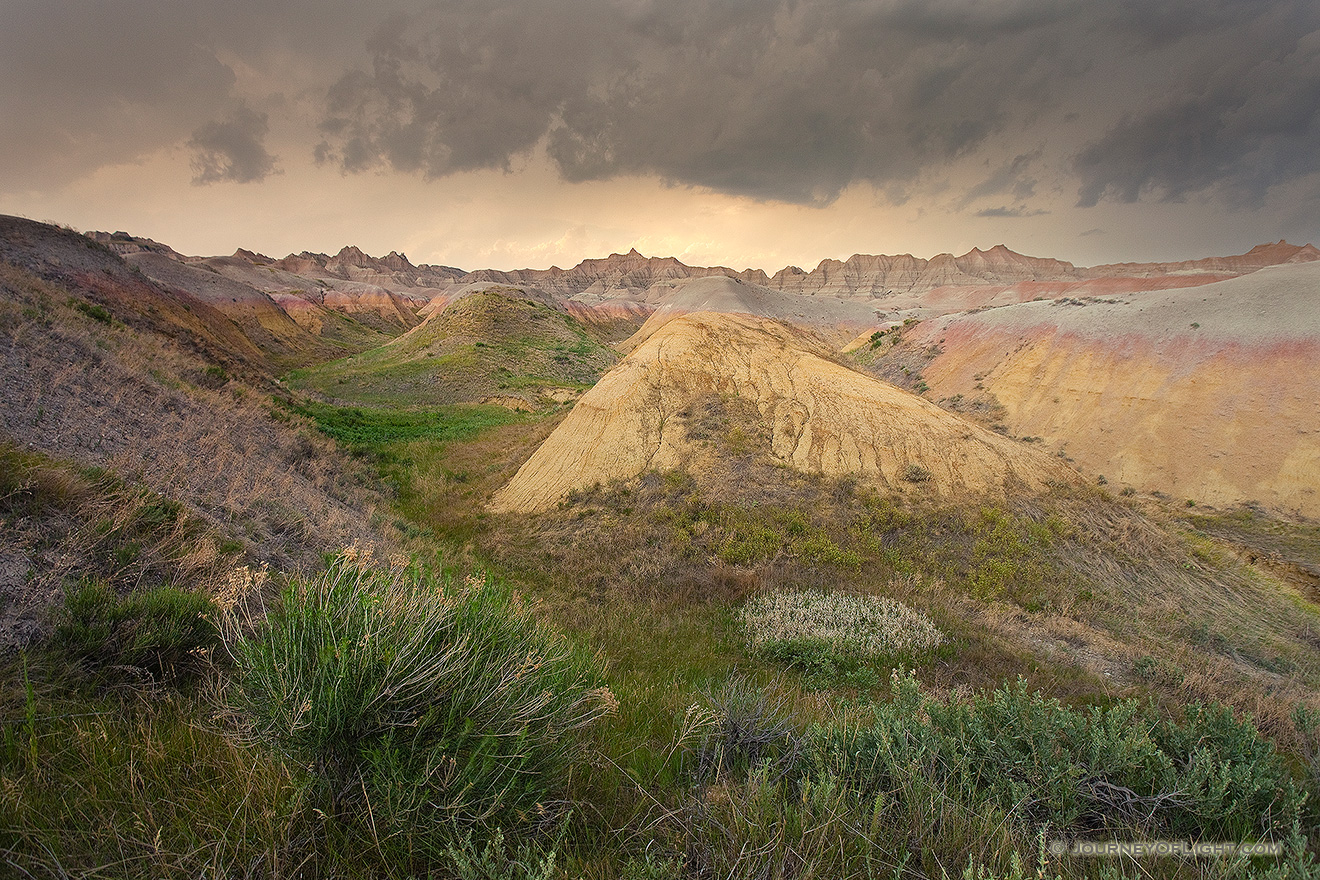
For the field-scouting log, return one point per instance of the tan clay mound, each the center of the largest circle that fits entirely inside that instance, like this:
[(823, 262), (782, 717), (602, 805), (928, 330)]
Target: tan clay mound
[(1207, 393), (837, 319), (822, 417)]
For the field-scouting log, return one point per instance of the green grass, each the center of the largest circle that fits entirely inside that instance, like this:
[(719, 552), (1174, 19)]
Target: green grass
[(484, 345), (162, 631), (126, 784), (426, 702), (374, 428)]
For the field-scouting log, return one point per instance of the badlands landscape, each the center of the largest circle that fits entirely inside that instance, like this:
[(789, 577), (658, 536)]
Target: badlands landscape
[(337, 565)]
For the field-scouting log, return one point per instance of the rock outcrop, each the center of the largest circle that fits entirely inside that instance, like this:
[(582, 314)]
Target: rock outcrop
[(1206, 393), (820, 417)]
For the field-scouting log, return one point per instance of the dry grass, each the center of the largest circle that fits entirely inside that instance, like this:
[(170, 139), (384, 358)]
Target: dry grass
[(105, 395), (162, 467), (1099, 601)]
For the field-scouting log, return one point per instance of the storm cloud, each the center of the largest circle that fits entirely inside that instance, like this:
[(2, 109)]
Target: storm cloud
[(232, 149), (792, 101), (1005, 211), (1233, 122)]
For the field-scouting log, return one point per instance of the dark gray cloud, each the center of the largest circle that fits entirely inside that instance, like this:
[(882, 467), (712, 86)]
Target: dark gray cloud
[(1234, 122), (1013, 177), (1005, 211), (232, 150), (789, 100), (794, 101), (1160, 23), (90, 84)]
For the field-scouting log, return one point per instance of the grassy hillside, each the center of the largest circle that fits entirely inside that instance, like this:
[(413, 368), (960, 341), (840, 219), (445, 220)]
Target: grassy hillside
[(703, 739), (741, 672), (490, 344)]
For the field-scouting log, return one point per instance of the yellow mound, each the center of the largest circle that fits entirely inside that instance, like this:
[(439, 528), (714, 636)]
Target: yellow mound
[(1207, 394), (823, 418)]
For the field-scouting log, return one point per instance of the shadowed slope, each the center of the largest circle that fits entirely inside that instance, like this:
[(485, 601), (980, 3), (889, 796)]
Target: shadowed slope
[(92, 273), (261, 319)]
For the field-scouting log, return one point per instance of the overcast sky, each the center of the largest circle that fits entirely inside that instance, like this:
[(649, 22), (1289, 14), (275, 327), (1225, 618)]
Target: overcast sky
[(747, 133)]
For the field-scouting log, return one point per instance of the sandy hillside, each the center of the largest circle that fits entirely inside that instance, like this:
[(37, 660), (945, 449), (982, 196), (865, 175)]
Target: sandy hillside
[(821, 417), (1207, 393), (259, 316), (837, 319)]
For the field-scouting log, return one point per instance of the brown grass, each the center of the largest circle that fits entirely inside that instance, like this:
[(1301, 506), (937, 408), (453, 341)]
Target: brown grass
[(95, 393)]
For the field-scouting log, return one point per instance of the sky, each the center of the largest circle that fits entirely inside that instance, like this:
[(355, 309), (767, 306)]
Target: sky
[(745, 133)]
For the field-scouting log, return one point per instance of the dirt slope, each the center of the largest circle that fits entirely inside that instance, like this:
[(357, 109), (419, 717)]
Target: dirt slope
[(821, 417), (259, 316), (1207, 393), (98, 277), (153, 411)]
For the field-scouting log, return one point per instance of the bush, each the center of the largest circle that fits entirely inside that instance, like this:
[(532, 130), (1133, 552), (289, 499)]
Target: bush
[(1232, 778), (93, 311), (497, 861), (749, 730), (874, 626), (915, 473), (163, 631), (418, 702), (1211, 776)]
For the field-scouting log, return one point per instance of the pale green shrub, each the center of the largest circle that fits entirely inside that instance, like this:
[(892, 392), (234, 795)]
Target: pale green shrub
[(846, 623)]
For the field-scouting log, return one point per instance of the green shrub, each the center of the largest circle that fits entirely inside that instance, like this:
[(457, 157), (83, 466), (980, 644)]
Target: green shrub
[(1232, 779), (214, 376), (163, 630), (915, 473), (417, 701), (1210, 776), (93, 311), (497, 860)]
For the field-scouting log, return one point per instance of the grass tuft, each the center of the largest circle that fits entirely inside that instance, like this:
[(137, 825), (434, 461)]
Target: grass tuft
[(418, 702), (163, 631)]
